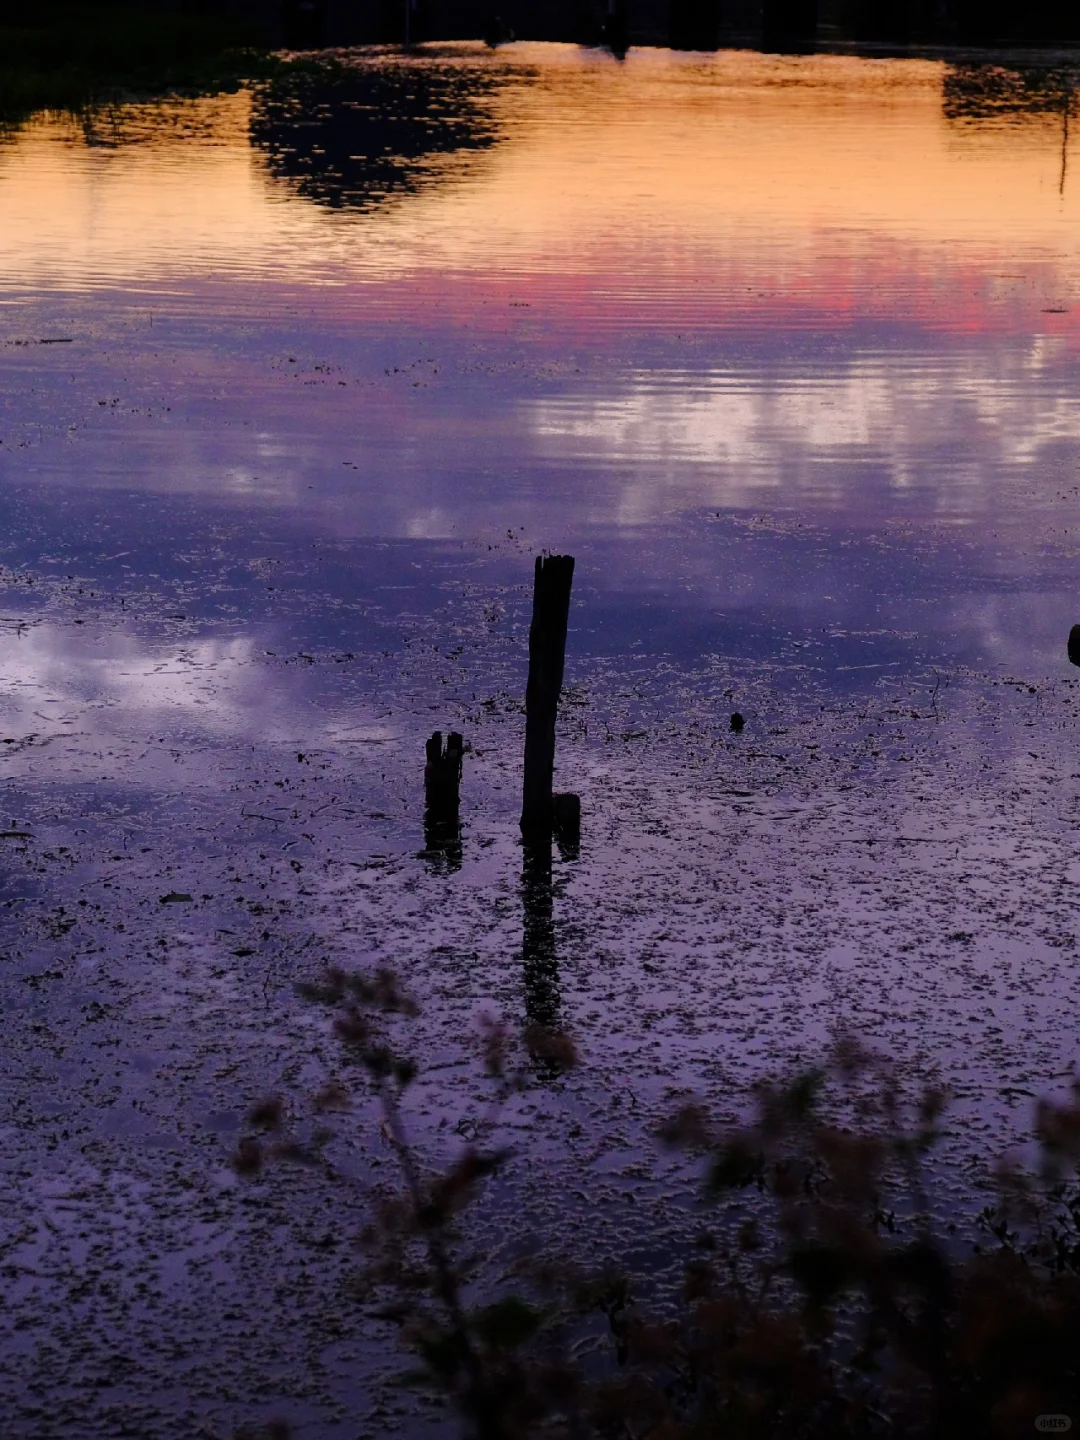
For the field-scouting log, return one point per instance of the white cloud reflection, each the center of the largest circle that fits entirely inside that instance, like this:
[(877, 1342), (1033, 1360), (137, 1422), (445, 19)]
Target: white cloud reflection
[(955, 425), (58, 674)]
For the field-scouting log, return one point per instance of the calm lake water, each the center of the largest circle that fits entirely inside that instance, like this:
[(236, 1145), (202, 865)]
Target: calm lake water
[(294, 384)]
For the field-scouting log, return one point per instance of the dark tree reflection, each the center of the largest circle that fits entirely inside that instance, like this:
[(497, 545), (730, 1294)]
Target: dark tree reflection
[(353, 135)]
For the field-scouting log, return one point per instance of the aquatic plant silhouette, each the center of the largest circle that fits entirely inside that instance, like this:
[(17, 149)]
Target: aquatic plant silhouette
[(832, 1305)]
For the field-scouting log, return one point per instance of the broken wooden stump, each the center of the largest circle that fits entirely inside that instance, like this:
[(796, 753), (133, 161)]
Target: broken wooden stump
[(442, 773), (554, 575), (566, 822)]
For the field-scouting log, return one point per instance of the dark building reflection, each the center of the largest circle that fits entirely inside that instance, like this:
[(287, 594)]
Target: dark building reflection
[(981, 92), (789, 25), (963, 22), (986, 92), (685, 24), (357, 135)]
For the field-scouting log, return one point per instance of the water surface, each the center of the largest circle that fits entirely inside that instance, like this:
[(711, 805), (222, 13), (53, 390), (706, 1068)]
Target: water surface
[(294, 383)]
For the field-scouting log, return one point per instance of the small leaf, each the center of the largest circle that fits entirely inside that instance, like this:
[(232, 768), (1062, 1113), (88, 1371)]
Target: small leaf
[(554, 1047), (735, 1166), (266, 1115), (442, 1354), (293, 1153), (247, 1158), (333, 1097), (801, 1095), (508, 1323), (822, 1271)]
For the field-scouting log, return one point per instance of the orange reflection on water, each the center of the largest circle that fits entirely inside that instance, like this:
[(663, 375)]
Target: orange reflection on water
[(734, 188)]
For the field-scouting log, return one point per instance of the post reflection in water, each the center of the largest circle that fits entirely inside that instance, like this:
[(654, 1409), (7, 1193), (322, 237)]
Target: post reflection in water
[(442, 823), (539, 950), (540, 959), (442, 841)]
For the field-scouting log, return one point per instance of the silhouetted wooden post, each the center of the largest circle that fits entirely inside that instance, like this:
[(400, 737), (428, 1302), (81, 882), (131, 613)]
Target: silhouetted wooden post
[(442, 773), (547, 653)]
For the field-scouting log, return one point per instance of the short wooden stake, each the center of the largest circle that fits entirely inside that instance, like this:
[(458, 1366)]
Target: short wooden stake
[(547, 654), (442, 773)]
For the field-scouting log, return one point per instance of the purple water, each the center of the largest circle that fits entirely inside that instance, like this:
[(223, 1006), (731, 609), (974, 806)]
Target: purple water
[(294, 384)]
